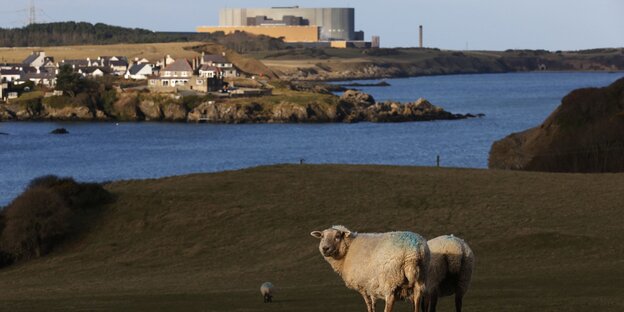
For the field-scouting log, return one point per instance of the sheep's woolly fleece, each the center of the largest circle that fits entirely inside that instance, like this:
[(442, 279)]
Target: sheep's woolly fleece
[(450, 257), (377, 264)]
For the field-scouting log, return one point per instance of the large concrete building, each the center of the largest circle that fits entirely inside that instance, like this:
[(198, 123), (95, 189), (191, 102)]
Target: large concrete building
[(294, 24)]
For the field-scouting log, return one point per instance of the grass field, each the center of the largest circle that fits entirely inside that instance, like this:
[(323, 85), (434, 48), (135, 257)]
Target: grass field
[(151, 51), (205, 242)]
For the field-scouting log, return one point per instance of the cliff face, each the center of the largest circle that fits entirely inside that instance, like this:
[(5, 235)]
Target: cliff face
[(584, 134)]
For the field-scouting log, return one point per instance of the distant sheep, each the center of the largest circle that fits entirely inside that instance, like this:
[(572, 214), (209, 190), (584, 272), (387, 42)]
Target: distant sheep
[(378, 265), (450, 270), (266, 289)]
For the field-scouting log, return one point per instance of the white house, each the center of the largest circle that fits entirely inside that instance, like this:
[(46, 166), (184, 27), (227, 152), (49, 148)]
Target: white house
[(209, 71), (36, 59), (118, 67), (165, 61), (10, 75), (141, 61), (75, 64), (92, 72), (139, 71), (226, 67), (41, 78), (2, 87)]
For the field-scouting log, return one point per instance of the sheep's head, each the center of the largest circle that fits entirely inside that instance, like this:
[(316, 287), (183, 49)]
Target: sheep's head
[(334, 241)]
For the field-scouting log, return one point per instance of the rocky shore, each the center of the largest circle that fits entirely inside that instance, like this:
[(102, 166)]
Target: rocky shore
[(352, 106)]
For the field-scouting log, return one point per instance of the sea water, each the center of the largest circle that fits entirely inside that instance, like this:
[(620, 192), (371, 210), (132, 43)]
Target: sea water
[(104, 151)]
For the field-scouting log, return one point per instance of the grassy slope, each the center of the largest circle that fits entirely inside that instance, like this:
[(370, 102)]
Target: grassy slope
[(206, 242), (151, 51), (330, 62)]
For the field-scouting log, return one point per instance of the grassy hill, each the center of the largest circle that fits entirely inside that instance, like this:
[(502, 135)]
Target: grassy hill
[(206, 242), (584, 134), (327, 63)]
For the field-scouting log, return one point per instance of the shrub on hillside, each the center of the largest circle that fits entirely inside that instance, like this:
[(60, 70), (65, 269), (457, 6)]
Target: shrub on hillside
[(34, 222), (47, 212), (75, 195), (5, 257)]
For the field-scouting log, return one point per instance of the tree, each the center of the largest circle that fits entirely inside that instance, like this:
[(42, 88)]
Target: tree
[(33, 222), (68, 81)]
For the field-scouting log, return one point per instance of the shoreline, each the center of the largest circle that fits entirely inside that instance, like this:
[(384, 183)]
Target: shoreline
[(464, 74)]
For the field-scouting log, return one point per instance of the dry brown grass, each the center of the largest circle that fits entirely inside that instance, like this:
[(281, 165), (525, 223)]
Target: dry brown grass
[(151, 51), (205, 242)]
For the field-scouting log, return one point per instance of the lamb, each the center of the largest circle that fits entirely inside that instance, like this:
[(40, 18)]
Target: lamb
[(384, 266), (266, 289), (450, 270)]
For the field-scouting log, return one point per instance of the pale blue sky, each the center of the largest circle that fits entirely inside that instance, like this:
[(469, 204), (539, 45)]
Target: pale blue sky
[(448, 24)]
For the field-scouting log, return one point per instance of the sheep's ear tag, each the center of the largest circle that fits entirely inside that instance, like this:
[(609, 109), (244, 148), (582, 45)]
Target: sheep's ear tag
[(316, 234)]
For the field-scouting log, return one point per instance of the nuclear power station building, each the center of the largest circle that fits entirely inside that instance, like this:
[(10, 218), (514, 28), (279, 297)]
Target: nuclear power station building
[(293, 24)]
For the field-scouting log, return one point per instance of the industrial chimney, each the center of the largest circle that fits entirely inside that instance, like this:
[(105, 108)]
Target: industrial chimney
[(420, 37)]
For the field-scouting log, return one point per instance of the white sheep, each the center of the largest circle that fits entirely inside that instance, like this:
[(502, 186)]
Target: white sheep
[(450, 270), (377, 265), (266, 289)]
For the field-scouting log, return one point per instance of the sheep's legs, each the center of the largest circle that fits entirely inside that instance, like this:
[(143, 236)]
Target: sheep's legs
[(419, 300), (370, 304), (389, 302), (458, 302), (433, 302)]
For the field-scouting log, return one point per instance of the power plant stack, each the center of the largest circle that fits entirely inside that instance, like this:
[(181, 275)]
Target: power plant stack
[(420, 36), (375, 42)]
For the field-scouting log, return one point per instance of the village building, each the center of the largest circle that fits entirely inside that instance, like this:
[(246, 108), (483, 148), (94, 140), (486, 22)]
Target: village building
[(41, 78), (36, 59), (3, 86), (141, 61), (10, 75), (91, 72), (118, 67), (11, 66), (178, 76), (49, 67), (75, 64), (173, 77), (209, 71), (139, 71), (165, 61), (227, 68)]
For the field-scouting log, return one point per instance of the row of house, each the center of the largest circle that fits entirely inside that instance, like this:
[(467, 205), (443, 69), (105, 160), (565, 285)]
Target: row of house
[(202, 74)]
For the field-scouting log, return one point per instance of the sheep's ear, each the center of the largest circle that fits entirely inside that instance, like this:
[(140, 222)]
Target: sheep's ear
[(349, 234), (317, 234)]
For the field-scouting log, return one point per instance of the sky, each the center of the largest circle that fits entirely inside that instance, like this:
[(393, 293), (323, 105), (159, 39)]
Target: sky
[(448, 24)]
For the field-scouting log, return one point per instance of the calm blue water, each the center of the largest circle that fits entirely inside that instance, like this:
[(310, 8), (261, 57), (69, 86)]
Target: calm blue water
[(106, 151)]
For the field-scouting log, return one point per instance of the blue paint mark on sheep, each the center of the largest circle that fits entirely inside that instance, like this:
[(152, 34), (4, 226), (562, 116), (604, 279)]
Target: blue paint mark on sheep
[(407, 239)]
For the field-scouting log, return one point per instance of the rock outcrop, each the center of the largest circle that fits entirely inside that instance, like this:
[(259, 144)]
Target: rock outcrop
[(59, 131), (355, 106), (6, 114), (126, 107), (352, 106), (584, 134), (66, 113), (174, 112), (150, 110)]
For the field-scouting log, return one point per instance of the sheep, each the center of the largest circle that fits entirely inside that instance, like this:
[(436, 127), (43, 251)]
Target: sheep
[(450, 270), (266, 289), (385, 266)]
